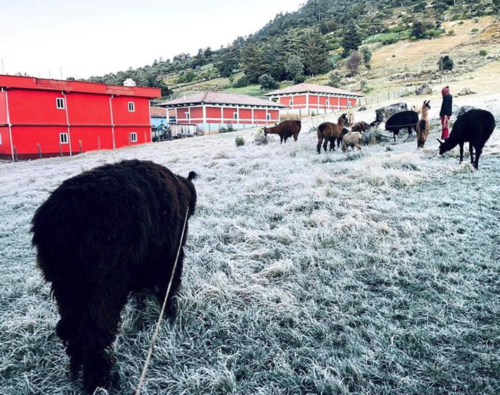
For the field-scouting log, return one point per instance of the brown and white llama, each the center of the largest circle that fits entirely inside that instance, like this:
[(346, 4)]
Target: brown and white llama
[(423, 125)]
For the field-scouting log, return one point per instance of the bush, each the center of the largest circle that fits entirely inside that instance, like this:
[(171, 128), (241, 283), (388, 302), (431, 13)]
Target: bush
[(242, 82), (354, 62), (475, 30), (240, 141), (451, 33), (267, 82), (226, 129), (334, 79), (446, 63), (483, 53), (300, 79), (364, 86)]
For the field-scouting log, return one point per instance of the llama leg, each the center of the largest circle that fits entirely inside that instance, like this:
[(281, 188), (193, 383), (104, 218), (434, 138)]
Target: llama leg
[(70, 303), (318, 148), (325, 145), (471, 151), (174, 289), (98, 332), (281, 138), (476, 159), (461, 152)]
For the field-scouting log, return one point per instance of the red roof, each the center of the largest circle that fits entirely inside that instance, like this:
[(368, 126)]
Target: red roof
[(158, 112), (221, 98), (8, 81), (312, 88)]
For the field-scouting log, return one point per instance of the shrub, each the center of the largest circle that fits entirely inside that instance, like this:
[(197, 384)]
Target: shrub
[(364, 86), (267, 82), (354, 62), (475, 30), (226, 129), (242, 82), (483, 53), (300, 79), (367, 55), (240, 141), (334, 79), (446, 63), (451, 33)]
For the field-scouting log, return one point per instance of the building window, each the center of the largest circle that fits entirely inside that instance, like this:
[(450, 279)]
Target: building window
[(328, 102), (268, 117), (188, 115), (235, 115), (133, 137), (131, 106), (63, 138), (60, 103), (291, 102)]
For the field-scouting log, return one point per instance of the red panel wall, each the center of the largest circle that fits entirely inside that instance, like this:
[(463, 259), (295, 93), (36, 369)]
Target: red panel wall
[(181, 113), (260, 114), (301, 99), (35, 107), (92, 138), (122, 136), (245, 113), (343, 102), (213, 112), (85, 109), (5, 146), (229, 113), (26, 140), (313, 99), (285, 100), (122, 116), (3, 109), (275, 115), (196, 112)]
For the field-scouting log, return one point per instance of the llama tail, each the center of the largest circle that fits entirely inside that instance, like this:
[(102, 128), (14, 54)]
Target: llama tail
[(192, 176)]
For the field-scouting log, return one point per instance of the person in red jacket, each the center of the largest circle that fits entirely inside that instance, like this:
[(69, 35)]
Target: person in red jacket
[(446, 112)]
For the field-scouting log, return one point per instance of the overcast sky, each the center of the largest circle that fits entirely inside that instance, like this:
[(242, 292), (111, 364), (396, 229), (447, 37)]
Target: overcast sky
[(95, 37)]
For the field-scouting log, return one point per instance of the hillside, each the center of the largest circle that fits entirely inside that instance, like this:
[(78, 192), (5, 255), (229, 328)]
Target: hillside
[(372, 273), (304, 45)]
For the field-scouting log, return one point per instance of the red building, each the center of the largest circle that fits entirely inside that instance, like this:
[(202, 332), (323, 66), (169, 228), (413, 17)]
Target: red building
[(212, 110), (305, 99), (42, 118)]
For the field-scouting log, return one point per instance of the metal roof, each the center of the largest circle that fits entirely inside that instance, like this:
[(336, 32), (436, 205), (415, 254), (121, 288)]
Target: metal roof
[(312, 88), (32, 83), (211, 97)]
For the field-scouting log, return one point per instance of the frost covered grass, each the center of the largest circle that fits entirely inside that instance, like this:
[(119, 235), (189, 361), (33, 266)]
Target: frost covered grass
[(371, 273)]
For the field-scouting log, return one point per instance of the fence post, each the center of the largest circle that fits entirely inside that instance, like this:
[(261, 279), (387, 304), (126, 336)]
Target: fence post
[(16, 158), (39, 150), (81, 146)]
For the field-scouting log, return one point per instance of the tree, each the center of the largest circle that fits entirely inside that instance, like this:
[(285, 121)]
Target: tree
[(228, 63), (351, 40), (165, 90), (446, 63), (253, 63), (354, 62), (267, 82), (315, 54), (294, 67), (418, 30), (367, 56), (335, 79)]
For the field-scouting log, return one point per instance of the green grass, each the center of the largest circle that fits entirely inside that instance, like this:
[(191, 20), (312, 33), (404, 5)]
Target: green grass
[(252, 90), (387, 37)]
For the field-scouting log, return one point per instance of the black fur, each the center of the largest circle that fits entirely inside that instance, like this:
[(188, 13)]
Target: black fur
[(102, 236), (402, 120), (474, 127)]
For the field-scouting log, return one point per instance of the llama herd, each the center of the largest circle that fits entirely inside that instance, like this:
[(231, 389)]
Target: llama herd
[(97, 253)]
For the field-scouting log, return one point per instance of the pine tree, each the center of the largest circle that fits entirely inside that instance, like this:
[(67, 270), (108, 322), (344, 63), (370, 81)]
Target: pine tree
[(315, 54), (253, 63), (351, 40)]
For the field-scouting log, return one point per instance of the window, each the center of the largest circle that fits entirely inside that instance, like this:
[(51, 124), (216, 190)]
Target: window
[(63, 138), (291, 102), (328, 102), (133, 137), (268, 117), (131, 106), (60, 103), (235, 115), (188, 115)]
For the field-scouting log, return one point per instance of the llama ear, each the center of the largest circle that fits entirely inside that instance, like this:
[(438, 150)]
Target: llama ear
[(440, 142)]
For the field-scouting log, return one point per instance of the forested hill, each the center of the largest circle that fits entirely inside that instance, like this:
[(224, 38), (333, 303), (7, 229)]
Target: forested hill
[(306, 43)]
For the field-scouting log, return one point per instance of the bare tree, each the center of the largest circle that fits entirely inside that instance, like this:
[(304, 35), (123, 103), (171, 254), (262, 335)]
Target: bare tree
[(355, 60)]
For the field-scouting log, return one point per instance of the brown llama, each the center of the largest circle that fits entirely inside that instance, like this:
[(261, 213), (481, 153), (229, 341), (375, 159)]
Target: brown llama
[(330, 132), (350, 118), (423, 126)]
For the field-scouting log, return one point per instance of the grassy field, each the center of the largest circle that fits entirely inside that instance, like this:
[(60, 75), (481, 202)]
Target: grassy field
[(365, 273)]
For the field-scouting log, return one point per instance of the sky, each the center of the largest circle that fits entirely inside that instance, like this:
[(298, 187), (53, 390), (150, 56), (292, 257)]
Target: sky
[(95, 37)]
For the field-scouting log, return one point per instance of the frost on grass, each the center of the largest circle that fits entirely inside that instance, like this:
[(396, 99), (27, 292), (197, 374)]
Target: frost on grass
[(373, 273)]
